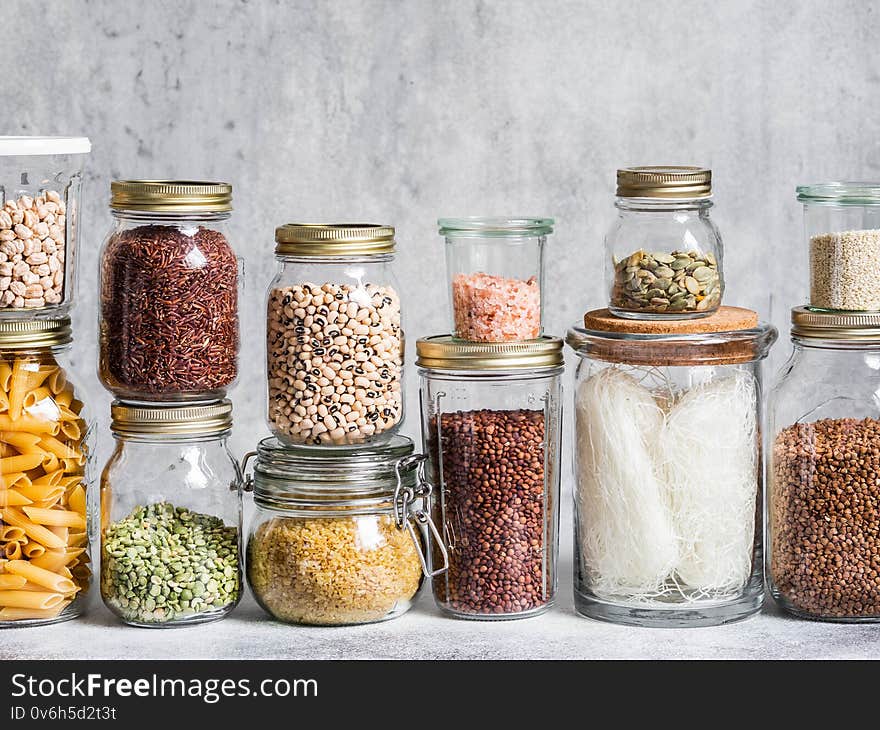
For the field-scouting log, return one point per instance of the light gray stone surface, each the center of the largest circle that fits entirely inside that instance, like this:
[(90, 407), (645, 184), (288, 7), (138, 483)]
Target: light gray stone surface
[(399, 112)]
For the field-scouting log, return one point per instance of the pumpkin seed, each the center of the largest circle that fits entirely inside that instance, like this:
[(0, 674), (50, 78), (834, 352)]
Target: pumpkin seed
[(692, 285), (663, 258)]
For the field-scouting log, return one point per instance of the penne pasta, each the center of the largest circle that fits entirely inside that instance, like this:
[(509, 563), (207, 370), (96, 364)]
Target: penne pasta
[(5, 375), (11, 582), (71, 429), (43, 487), (76, 500), (30, 424), (11, 534), (54, 560), (23, 614), (31, 398), (57, 381), (18, 480), (55, 517), (22, 462), (22, 441), (40, 576), (30, 599), (64, 399), (41, 534), (12, 550), (60, 449), (13, 498), (32, 550)]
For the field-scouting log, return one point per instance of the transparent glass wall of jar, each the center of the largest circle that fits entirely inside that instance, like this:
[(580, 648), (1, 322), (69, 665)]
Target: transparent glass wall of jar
[(664, 253), (334, 337), (668, 477), (40, 179), (491, 419), (46, 509), (169, 280), (842, 228), (171, 516), (824, 471), (495, 270), (337, 537)]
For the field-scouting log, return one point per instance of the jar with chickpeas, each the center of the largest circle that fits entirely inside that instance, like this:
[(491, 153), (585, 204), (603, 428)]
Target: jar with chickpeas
[(334, 337)]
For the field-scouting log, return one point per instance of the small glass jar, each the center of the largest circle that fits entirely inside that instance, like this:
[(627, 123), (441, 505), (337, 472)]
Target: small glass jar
[(668, 469), (169, 293), (335, 343), (334, 540), (46, 442), (491, 419), (495, 268), (824, 474), (842, 226), (664, 252), (40, 180), (171, 516)]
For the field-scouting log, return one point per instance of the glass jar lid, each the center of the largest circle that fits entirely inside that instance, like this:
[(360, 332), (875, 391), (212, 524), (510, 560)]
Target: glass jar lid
[(26, 334), (171, 196), (445, 352), (664, 181), (498, 227), (840, 193), (334, 239), (156, 420), (32, 146), (815, 324)]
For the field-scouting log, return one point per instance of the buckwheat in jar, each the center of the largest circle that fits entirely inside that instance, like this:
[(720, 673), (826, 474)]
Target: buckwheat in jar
[(334, 339)]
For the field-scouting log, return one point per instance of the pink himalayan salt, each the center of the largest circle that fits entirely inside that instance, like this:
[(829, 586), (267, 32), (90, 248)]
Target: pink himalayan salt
[(496, 309)]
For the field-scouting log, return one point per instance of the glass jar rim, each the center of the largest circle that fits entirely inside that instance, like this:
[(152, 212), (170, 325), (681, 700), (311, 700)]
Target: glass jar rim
[(857, 193), (496, 226)]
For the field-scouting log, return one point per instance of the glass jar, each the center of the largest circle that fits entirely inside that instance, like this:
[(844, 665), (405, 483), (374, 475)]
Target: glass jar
[(495, 268), (842, 226), (491, 419), (40, 181), (46, 447), (171, 516), (664, 252), (824, 475), (668, 469), (334, 344), (169, 293), (334, 539)]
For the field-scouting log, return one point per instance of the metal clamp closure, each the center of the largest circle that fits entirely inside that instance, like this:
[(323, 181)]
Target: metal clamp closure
[(406, 510), (247, 483)]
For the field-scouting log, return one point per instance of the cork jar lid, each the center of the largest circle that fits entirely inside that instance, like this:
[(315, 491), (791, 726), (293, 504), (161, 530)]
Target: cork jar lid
[(729, 336)]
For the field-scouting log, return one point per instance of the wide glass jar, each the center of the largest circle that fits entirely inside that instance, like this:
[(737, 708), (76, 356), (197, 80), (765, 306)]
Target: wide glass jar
[(339, 535), (46, 447), (491, 426), (171, 516), (842, 227), (40, 180), (495, 269), (169, 293), (664, 252), (668, 468), (824, 475), (334, 340)]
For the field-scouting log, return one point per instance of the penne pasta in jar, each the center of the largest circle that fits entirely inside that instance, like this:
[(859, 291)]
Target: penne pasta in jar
[(45, 566)]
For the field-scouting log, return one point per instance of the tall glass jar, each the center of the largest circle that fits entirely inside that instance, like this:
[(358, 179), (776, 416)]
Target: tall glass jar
[(668, 469), (40, 180), (491, 420), (171, 516), (169, 293), (824, 474), (842, 226), (664, 252), (334, 340), (339, 535), (495, 269), (46, 447)]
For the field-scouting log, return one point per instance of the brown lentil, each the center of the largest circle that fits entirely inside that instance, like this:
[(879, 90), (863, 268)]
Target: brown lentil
[(492, 507), (335, 360), (825, 517), (333, 570)]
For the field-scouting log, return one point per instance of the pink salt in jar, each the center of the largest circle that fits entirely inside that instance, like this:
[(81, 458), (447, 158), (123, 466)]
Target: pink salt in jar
[(495, 268)]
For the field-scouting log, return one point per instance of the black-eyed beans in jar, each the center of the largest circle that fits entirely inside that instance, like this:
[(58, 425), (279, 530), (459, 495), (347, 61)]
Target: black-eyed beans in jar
[(335, 358)]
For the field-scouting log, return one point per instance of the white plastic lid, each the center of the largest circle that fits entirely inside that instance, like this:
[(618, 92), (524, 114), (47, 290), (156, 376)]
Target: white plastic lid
[(19, 146)]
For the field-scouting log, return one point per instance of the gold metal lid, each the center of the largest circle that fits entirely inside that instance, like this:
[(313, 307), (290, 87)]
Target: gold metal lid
[(664, 182), (334, 239), (25, 334), (191, 420), (171, 196), (444, 352), (844, 326)]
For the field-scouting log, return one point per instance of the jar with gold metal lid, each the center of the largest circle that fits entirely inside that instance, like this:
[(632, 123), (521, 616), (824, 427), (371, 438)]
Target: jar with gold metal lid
[(334, 339), (169, 284), (171, 516), (46, 447), (664, 252), (491, 427), (824, 475)]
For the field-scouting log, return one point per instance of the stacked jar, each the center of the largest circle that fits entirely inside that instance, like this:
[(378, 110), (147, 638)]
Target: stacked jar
[(45, 430), (491, 422), (668, 459), (169, 339)]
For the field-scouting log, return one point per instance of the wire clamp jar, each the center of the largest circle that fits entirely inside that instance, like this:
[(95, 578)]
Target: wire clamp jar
[(405, 498)]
